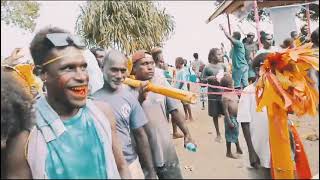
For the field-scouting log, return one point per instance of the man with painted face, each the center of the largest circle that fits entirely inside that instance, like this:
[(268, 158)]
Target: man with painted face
[(155, 106), (74, 137), (129, 115)]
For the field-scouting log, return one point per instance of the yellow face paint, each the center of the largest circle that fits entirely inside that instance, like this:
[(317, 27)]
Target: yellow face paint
[(59, 57)]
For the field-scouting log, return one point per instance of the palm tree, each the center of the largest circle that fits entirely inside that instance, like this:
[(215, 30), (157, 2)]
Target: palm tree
[(124, 25)]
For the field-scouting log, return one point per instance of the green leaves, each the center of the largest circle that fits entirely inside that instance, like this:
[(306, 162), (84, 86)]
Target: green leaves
[(124, 25), (20, 13)]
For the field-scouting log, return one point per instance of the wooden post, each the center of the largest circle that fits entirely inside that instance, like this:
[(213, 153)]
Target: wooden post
[(308, 19), (229, 27), (256, 16)]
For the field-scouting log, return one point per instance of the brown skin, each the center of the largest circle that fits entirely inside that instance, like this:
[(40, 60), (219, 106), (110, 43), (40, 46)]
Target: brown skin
[(253, 157), (186, 107), (267, 41), (60, 76), (100, 56), (231, 38), (215, 59), (230, 108), (17, 166), (114, 72), (116, 144), (144, 71)]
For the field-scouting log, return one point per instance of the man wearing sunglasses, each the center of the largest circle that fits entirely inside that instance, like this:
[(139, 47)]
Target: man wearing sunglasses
[(74, 137)]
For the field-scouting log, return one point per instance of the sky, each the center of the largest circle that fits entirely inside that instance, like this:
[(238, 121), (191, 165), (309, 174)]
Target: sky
[(191, 33)]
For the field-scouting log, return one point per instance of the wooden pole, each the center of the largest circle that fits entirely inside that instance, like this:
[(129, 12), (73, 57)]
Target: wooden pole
[(256, 16), (229, 27), (308, 19)]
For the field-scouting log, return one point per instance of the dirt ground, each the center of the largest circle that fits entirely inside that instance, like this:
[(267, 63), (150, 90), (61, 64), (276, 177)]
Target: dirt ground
[(210, 161)]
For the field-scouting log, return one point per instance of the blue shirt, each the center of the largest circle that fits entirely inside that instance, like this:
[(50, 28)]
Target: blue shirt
[(182, 75), (78, 153), (129, 115), (237, 55)]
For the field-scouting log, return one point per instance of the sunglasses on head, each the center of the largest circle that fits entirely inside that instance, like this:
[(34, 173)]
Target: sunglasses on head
[(65, 39)]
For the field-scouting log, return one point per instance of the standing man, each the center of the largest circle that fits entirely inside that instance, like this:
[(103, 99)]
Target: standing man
[(267, 47), (155, 106), (71, 130), (157, 56), (255, 127), (239, 63), (129, 115), (251, 48)]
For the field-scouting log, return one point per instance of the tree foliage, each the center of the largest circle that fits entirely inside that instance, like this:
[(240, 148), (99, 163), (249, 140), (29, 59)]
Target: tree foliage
[(20, 13), (124, 25)]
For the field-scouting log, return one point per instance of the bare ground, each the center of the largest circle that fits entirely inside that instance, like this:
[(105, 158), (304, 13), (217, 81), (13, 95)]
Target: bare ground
[(210, 161)]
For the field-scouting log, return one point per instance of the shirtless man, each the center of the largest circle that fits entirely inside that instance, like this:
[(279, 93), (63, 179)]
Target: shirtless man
[(230, 109)]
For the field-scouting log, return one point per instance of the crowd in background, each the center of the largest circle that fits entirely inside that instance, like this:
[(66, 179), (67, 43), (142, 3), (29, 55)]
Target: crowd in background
[(66, 113)]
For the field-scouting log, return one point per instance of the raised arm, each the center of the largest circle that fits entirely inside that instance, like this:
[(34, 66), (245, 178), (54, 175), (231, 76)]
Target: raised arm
[(232, 40), (116, 145)]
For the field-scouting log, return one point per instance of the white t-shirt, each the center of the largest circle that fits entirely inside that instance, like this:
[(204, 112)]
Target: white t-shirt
[(95, 74), (259, 128)]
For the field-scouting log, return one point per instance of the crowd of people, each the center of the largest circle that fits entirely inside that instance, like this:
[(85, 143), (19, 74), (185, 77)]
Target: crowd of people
[(68, 114)]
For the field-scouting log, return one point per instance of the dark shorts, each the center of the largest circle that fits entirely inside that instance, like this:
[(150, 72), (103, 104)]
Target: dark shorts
[(215, 106), (169, 172)]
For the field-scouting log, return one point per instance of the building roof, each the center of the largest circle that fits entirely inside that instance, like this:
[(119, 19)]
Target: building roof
[(231, 6)]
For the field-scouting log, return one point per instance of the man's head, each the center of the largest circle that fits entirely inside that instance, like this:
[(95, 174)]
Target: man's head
[(215, 56), (226, 81), (236, 35), (143, 65), (304, 30), (287, 43), (315, 37), (294, 34), (16, 108), (195, 55), (99, 53), (185, 62), (257, 62), (266, 40), (114, 70), (250, 37), (59, 55), (179, 62), (158, 57)]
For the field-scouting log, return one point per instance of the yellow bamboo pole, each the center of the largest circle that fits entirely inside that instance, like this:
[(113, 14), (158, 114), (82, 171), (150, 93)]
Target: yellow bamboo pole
[(186, 96)]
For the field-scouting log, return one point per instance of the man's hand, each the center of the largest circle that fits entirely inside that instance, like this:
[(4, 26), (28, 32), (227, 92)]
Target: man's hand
[(231, 125), (222, 28), (143, 90)]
